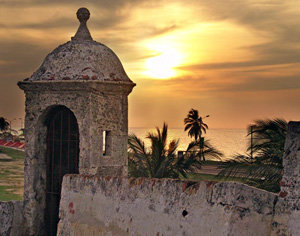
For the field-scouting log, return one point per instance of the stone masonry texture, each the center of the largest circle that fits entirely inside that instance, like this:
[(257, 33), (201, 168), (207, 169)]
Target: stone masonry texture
[(93, 205), (11, 218), (98, 106), (124, 206)]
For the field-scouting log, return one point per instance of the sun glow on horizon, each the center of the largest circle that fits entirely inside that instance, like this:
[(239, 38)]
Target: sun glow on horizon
[(163, 65)]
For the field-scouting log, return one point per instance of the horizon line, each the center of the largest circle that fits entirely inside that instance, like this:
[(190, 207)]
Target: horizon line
[(177, 128)]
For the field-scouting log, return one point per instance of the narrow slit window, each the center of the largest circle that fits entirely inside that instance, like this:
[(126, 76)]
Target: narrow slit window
[(106, 143)]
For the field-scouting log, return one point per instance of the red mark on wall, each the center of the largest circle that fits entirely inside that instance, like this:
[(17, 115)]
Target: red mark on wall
[(184, 185), (86, 68), (209, 184), (71, 210), (282, 183), (283, 194), (85, 77)]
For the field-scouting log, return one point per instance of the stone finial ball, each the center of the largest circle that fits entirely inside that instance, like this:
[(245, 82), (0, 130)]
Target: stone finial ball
[(83, 14)]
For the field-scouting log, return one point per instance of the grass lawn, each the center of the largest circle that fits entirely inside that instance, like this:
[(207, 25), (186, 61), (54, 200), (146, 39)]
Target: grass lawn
[(211, 163), (7, 195), (198, 177), (257, 183), (15, 154), (12, 175)]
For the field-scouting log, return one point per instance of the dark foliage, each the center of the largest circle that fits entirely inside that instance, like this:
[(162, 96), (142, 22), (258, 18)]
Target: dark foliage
[(3, 124), (195, 125), (264, 169), (204, 150), (160, 161)]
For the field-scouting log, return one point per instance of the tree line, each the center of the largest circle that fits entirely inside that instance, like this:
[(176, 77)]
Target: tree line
[(262, 168), (6, 132)]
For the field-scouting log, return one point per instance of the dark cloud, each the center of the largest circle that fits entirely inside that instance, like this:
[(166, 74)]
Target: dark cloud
[(155, 31), (274, 53), (237, 65), (271, 19), (20, 57), (105, 22), (277, 21), (61, 22), (223, 65), (259, 83), (107, 19), (149, 56), (105, 14), (103, 3), (274, 83), (204, 84)]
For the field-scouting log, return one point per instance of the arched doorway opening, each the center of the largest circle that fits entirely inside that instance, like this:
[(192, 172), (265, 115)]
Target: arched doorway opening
[(62, 158)]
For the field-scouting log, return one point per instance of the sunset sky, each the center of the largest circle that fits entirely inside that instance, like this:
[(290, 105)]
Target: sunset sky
[(236, 60)]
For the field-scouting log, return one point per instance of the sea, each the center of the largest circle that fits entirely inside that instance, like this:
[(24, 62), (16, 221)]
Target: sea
[(228, 141)]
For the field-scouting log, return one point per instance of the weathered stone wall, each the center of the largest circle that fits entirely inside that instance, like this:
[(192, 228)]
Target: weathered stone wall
[(97, 106), (11, 218), (287, 212), (122, 206)]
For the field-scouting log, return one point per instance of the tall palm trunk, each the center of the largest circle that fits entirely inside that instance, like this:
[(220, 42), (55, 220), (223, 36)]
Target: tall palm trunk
[(202, 147)]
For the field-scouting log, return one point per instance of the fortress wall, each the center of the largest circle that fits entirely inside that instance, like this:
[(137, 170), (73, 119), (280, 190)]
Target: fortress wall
[(125, 206), (93, 205), (287, 212), (11, 218)]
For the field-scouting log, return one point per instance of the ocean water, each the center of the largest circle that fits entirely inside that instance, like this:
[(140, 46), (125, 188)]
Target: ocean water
[(229, 141)]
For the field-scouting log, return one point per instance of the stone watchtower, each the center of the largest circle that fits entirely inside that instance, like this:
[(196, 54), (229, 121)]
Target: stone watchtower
[(76, 122)]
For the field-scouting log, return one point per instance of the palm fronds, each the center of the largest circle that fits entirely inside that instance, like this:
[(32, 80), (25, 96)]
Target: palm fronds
[(268, 137), (204, 149), (264, 169), (194, 124), (139, 158), (3, 124), (160, 161)]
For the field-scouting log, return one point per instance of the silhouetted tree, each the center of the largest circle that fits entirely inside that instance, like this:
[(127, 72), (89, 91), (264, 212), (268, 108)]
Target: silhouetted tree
[(264, 169), (160, 161), (203, 149), (3, 124), (195, 125)]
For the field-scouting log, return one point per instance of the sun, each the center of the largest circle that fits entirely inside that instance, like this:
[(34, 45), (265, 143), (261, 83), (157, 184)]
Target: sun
[(163, 65)]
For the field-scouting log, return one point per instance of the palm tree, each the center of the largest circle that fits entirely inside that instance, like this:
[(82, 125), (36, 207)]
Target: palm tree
[(203, 149), (160, 161), (3, 124), (268, 139), (264, 169), (195, 125)]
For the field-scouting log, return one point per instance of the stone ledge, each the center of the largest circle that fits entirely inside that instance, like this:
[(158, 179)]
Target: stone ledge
[(149, 206)]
